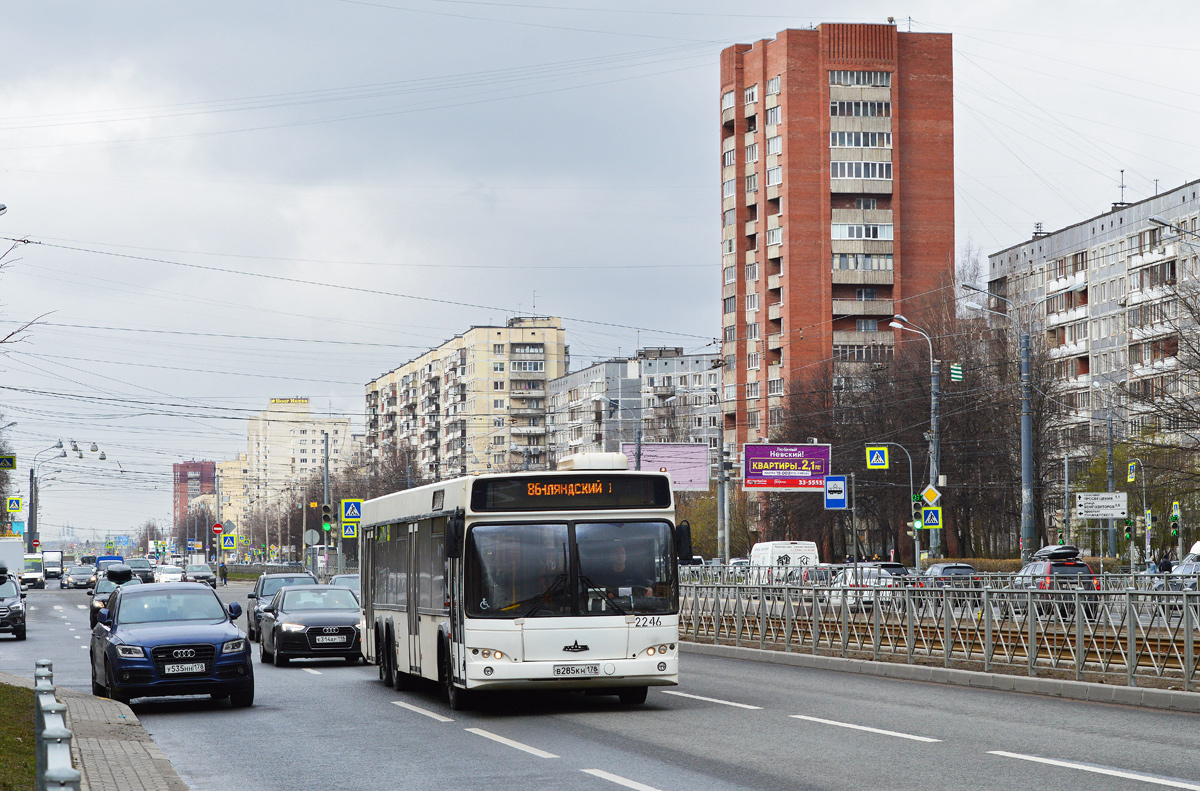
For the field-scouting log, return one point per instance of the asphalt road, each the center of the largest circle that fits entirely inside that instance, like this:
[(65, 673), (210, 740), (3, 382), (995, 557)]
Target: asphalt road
[(732, 725)]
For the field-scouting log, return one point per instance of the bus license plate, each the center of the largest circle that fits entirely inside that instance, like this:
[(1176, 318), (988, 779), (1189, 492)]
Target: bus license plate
[(576, 670), (194, 667), (331, 638)]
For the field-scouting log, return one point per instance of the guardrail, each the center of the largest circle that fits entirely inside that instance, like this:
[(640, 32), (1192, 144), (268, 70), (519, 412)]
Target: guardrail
[(54, 771), (1117, 636)]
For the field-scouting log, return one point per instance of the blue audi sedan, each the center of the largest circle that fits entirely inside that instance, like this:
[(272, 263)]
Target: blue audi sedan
[(170, 639)]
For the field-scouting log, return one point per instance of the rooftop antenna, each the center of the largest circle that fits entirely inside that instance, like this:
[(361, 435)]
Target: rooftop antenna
[(1156, 186), (1122, 185), (534, 308)]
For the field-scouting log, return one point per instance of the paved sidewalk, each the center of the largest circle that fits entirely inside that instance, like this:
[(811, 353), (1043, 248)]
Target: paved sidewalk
[(110, 747)]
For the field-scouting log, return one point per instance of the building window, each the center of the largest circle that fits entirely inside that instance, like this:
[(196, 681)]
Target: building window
[(497, 348), (752, 331), (774, 387), (730, 334), (863, 294), (774, 115), (752, 271), (752, 182), (877, 171), (865, 203), (498, 440), (498, 385), (860, 139), (730, 304), (730, 392), (853, 231), (752, 302), (729, 218), (498, 368), (877, 79), (730, 274), (750, 95), (752, 152), (774, 236), (772, 86), (752, 390), (729, 159), (774, 176), (857, 353), (861, 109), (752, 360), (528, 366), (727, 100), (867, 325), (303, 431), (728, 188), (775, 145)]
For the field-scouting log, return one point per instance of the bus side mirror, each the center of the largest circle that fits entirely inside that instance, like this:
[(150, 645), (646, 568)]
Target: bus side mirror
[(683, 542), (454, 534)]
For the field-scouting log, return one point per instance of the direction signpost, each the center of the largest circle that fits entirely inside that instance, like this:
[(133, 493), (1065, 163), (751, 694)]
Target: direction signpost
[(1101, 505)]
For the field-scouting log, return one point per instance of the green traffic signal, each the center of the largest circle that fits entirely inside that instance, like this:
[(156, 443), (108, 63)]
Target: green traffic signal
[(325, 527), (326, 515)]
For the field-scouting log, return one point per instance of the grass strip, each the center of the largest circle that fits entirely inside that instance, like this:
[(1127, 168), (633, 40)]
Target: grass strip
[(17, 759)]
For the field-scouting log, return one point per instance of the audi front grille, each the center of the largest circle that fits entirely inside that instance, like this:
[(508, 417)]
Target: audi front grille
[(348, 632), (183, 654)]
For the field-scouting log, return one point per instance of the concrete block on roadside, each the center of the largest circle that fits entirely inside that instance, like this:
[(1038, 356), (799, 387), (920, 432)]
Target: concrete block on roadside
[(1075, 690), (1129, 696), (1002, 682), (1026, 684)]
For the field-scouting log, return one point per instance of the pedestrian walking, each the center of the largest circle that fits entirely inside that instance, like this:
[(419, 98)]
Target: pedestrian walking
[(224, 574)]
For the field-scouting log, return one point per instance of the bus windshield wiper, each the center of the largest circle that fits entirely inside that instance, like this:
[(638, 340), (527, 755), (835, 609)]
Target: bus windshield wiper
[(603, 594), (544, 596)]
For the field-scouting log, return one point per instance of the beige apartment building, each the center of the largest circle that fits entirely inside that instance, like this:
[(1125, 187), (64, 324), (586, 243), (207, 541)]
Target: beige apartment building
[(475, 403), (233, 479), (285, 444)]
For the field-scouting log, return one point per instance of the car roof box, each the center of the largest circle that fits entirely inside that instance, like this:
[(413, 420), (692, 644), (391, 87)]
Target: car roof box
[(119, 573), (1057, 552)]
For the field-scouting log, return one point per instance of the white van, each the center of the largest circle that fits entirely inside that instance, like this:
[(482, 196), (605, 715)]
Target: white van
[(776, 556)]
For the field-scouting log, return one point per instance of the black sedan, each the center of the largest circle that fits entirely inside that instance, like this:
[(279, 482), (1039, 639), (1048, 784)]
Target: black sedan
[(170, 639), (76, 577), (12, 607), (310, 621), (200, 573), (264, 590), (101, 594)]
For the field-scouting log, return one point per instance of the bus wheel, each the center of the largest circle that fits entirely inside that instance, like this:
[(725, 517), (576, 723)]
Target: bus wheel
[(457, 699), (386, 654), (633, 696)]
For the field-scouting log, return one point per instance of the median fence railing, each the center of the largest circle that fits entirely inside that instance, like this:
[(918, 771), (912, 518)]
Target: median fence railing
[(52, 738), (1118, 636)]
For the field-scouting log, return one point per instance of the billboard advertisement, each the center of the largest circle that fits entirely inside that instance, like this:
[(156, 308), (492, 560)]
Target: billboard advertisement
[(687, 462), (785, 468)]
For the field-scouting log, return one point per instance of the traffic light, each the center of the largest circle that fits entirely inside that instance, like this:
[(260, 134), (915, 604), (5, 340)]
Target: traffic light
[(1128, 529), (326, 516), (1174, 526), (917, 516)]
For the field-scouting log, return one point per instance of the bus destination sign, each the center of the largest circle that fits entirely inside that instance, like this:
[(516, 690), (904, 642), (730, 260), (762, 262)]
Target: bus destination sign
[(570, 493)]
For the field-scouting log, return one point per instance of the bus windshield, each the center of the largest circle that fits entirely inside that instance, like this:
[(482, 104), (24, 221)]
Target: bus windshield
[(530, 570)]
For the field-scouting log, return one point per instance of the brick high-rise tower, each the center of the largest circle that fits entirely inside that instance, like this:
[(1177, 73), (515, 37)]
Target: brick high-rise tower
[(837, 150)]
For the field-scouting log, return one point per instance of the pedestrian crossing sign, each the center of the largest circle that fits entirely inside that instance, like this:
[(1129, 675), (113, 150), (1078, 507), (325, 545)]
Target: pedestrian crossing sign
[(12, 505), (352, 510), (349, 529), (877, 457), (229, 542), (1131, 476), (931, 517)]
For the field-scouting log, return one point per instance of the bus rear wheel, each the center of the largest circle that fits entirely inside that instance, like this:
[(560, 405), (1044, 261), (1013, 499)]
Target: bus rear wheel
[(633, 696), (386, 652)]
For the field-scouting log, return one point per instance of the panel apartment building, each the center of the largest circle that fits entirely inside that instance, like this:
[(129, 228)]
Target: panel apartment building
[(676, 397), (191, 479), (837, 163), (285, 445), (1103, 293), (475, 403)]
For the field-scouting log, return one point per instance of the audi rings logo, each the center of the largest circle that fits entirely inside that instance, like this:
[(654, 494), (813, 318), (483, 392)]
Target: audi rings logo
[(330, 630), (183, 653)]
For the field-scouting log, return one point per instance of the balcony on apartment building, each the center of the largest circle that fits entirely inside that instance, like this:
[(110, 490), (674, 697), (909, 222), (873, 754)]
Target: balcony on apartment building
[(863, 307), (527, 430)]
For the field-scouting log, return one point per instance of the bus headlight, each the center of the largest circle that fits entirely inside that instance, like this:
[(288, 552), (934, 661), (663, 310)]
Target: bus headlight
[(650, 651)]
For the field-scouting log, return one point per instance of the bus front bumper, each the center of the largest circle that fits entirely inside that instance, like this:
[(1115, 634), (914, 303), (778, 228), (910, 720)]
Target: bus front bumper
[(657, 671)]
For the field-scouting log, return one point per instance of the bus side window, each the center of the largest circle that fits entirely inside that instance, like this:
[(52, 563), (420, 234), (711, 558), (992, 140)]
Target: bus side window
[(438, 566)]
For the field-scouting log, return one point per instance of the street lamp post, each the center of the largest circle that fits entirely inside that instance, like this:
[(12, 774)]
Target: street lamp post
[(31, 531), (1112, 530), (935, 445), (912, 498), (1141, 472), (637, 465), (1027, 533)]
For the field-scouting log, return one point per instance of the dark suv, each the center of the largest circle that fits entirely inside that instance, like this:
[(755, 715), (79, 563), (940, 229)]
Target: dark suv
[(264, 590), (141, 569), (1054, 573)]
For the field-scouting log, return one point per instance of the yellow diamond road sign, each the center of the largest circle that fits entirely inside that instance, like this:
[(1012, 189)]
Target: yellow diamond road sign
[(877, 457), (930, 495)]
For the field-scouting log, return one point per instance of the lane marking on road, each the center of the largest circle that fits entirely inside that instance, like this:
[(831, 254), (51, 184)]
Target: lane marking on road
[(81, 606), (433, 715), (310, 670), (84, 647), (621, 781), (711, 700), (71, 629), (1100, 770), (58, 606), (76, 636), (897, 734), (515, 745)]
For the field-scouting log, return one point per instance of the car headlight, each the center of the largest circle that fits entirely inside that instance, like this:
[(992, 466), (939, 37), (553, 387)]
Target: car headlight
[(96, 604), (130, 651), (233, 646), (293, 627)]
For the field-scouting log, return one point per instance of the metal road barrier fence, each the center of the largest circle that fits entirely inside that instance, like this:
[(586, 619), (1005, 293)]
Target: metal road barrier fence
[(54, 771), (1114, 635)]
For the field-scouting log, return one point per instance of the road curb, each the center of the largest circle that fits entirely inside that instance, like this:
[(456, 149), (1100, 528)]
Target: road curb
[(110, 746), (1162, 699)]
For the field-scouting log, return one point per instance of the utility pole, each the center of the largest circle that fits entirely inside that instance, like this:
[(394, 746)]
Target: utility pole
[(1066, 497), (31, 527), (1112, 532), (1027, 534), (935, 442)]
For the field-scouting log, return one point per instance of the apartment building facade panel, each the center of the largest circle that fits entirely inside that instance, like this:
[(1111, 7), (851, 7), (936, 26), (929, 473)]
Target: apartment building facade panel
[(837, 204), (191, 479), (477, 402), (285, 444)]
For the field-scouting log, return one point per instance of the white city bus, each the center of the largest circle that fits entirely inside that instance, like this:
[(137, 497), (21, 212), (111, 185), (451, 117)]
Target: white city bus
[(559, 580)]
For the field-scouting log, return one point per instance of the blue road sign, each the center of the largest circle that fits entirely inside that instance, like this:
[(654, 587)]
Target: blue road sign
[(228, 542), (8, 462), (835, 492), (349, 529), (877, 457), (931, 517), (13, 506), (351, 510)]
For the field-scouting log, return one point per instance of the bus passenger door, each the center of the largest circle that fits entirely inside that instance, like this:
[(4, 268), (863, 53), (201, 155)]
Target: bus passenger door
[(414, 615)]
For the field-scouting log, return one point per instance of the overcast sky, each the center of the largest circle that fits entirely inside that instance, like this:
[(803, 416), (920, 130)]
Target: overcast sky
[(240, 200)]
